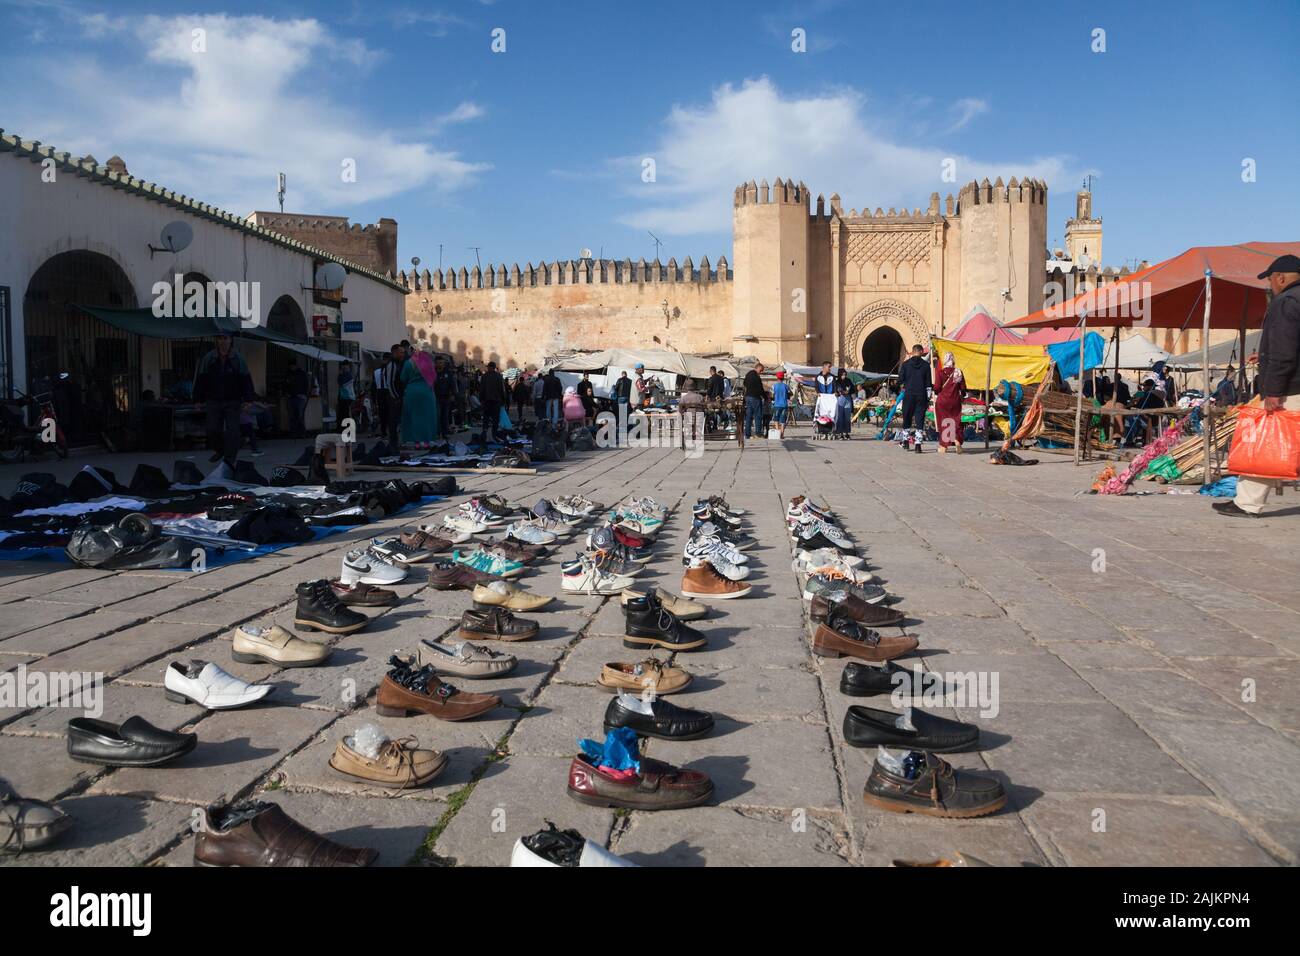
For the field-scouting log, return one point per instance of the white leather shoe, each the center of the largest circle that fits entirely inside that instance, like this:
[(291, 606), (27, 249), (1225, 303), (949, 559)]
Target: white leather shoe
[(592, 855), (209, 686)]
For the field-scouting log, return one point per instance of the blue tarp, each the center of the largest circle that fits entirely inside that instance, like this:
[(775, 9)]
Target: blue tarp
[(1065, 355)]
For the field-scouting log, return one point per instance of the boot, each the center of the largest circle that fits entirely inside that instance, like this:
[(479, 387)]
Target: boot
[(319, 609), (650, 624)]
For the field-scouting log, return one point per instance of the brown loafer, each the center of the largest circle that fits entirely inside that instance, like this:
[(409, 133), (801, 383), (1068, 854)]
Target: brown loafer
[(407, 689), (495, 624), (658, 786), (510, 596), (844, 637), (450, 576), (650, 675), (424, 541), (872, 615), (399, 763), (363, 595), (262, 834)]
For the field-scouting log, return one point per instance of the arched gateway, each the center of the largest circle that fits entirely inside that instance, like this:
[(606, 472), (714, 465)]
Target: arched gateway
[(883, 333)]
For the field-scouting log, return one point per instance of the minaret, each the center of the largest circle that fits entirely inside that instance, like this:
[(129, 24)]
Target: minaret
[(1083, 232)]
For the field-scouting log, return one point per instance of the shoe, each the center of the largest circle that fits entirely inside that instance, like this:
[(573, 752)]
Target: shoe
[(555, 847), (918, 448), (632, 540), (699, 546), (957, 859), (29, 824), (136, 743), (1231, 509), (261, 834), (275, 645), (530, 532), (448, 576), (650, 675), (408, 689), (425, 541), (574, 506), (655, 717), (442, 532), (735, 539), (647, 505), (656, 786), (841, 636), (584, 576), (394, 549), (209, 686), (615, 562), (812, 540), (913, 729), (464, 524), (489, 562), (923, 783), (319, 610), (830, 580), (363, 567), (495, 624), (496, 506), (509, 596), (813, 526), (679, 607), (850, 574), (830, 556), (705, 582), (869, 680), (604, 539), (720, 501), (650, 624), (465, 660), (824, 603), (514, 548), (362, 595), (398, 764)]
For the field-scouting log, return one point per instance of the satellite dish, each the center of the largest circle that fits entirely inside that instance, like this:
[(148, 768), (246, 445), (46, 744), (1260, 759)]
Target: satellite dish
[(584, 254), (1085, 261), (176, 236), (330, 277)]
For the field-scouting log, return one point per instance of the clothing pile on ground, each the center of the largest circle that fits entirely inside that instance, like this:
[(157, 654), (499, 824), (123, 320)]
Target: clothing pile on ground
[(155, 522), (846, 604)]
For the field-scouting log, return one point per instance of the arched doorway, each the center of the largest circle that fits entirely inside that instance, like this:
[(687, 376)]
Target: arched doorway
[(103, 361), (286, 318), (178, 359), (882, 350)]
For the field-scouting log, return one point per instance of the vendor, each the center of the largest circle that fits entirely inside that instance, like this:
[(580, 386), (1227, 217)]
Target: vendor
[(824, 382)]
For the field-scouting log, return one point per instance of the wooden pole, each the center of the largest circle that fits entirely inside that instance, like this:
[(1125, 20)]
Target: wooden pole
[(1207, 419), (1078, 404)]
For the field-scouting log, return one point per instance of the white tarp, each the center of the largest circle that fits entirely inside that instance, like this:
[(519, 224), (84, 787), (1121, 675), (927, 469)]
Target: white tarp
[(656, 361), (321, 355), (1220, 355), (1136, 351)]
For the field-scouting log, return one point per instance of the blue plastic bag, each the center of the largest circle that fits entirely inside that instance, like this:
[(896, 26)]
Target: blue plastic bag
[(619, 751)]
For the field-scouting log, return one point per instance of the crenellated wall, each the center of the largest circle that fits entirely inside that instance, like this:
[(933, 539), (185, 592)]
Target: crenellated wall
[(373, 246)]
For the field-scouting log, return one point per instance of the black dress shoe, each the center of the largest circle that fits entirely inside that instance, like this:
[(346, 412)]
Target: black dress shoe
[(666, 721), (1230, 508), (319, 609), (867, 680), (650, 624), (865, 727), (931, 786), (137, 743)]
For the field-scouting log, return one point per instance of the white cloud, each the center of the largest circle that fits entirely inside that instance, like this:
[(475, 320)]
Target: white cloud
[(828, 140), (219, 124), (965, 110)]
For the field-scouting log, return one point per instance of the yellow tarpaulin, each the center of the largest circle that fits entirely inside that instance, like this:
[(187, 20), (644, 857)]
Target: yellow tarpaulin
[(1025, 364)]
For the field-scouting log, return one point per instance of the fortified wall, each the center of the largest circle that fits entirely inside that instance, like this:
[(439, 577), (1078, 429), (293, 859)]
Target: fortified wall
[(517, 317), (373, 246)]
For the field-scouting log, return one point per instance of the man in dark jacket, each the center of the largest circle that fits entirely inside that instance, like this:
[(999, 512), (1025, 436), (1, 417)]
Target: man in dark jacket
[(1279, 371), (492, 394), (914, 379), (754, 394), (397, 361), (222, 384), (298, 387), (553, 395), (444, 390)]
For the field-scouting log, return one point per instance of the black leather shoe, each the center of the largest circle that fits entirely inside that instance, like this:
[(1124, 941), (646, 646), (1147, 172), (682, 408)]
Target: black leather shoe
[(137, 743), (866, 727), (319, 609), (650, 624), (1230, 508), (931, 786), (667, 721), (867, 680)]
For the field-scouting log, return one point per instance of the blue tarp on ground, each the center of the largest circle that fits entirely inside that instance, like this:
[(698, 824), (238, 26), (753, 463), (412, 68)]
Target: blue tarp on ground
[(1066, 354)]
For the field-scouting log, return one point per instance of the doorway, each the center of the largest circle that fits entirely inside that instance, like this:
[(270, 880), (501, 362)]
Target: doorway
[(882, 351)]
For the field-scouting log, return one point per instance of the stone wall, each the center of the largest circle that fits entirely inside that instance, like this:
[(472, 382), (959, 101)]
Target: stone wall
[(373, 246)]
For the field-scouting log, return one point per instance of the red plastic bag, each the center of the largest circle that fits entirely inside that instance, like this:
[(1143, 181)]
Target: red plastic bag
[(1266, 444)]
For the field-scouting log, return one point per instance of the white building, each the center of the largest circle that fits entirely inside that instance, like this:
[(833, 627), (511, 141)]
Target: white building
[(76, 234)]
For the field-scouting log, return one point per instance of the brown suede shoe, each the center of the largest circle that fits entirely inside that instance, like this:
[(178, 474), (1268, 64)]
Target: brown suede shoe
[(407, 690), (399, 763), (424, 541), (844, 637), (495, 624), (650, 675), (363, 595), (872, 615), (262, 834), (450, 576), (704, 582)]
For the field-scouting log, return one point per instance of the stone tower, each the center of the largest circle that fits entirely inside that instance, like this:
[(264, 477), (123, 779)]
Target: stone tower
[(770, 296), (1003, 246), (1083, 232)]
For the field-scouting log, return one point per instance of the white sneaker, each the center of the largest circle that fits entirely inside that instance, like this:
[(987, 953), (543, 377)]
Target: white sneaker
[(827, 556), (732, 572), (701, 546), (805, 566), (443, 531), (530, 533), (464, 523), (209, 686), (393, 548), (583, 576), (647, 505), (364, 567)]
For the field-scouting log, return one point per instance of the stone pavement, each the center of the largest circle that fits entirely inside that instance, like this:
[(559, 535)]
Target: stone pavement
[(1146, 654)]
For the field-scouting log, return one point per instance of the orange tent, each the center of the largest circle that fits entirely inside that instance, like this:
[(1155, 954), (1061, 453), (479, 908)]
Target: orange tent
[(1171, 294)]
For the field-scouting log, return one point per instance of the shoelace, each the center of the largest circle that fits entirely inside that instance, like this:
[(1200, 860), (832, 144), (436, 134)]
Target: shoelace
[(10, 808), (402, 752)]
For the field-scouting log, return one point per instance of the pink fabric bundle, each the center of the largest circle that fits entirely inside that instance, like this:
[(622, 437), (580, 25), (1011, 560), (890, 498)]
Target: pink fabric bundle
[(1172, 436)]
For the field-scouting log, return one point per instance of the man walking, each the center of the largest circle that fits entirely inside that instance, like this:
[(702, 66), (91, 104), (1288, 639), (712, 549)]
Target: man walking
[(914, 377), (299, 388), (754, 395), (492, 393), (222, 384), (1279, 372), (397, 359), (553, 394)]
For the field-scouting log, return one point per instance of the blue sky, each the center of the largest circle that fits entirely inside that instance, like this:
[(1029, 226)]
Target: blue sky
[(538, 151)]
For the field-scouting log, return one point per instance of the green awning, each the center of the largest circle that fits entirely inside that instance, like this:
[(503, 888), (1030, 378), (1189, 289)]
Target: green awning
[(144, 322)]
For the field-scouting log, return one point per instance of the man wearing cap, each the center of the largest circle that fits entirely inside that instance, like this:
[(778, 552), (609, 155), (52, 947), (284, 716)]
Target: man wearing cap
[(222, 384), (641, 387), (780, 401), (1279, 371)]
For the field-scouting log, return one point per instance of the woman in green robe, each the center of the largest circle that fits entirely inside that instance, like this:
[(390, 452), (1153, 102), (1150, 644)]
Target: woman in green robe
[(419, 407)]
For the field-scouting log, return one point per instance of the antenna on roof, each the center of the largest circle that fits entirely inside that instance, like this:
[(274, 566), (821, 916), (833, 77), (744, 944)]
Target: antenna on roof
[(476, 258), (280, 189), (658, 242)]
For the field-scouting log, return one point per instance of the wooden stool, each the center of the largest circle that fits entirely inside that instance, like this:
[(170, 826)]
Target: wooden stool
[(336, 452)]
